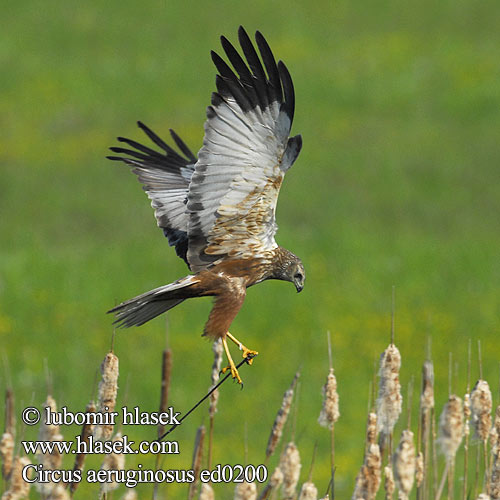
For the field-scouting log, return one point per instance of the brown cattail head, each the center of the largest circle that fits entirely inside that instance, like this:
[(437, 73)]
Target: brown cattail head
[(404, 464), (494, 486), (427, 396), (19, 488), (481, 405), (290, 467), (420, 469), (206, 492), (451, 427), (113, 461), (218, 350), (108, 389), (369, 476), (308, 491), (7, 454), (245, 491), (390, 400), (281, 418), (389, 484), (330, 411)]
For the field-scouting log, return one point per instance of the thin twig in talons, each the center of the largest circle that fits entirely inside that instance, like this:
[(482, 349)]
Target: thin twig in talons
[(246, 360)]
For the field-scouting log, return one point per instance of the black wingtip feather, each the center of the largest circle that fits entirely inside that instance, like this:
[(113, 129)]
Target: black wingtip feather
[(288, 90)]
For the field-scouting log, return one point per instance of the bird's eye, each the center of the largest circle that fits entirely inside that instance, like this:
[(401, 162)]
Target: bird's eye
[(298, 276)]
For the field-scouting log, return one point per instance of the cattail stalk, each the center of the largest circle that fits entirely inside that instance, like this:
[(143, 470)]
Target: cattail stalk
[(108, 389), (274, 483), (404, 464), (389, 484), (290, 466), (87, 430), (112, 462), (494, 479), (197, 460), (481, 404), (308, 491), (166, 371), (19, 488), (426, 409), (389, 400), (218, 350), (245, 491), (467, 415), (53, 460), (281, 418), (206, 492)]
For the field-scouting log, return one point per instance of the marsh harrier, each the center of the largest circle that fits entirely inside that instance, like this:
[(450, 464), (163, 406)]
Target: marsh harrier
[(218, 210)]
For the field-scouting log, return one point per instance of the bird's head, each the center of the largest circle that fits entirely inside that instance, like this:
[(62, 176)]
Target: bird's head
[(298, 275), (288, 267)]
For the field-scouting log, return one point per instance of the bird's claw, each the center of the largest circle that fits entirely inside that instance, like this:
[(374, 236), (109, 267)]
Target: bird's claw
[(234, 373)]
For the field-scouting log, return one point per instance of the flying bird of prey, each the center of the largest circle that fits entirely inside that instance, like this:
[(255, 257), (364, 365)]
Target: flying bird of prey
[(218, 210)]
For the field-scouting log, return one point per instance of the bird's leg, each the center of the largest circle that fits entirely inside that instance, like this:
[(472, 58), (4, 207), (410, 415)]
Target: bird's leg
[(232, 366), (247, 353)]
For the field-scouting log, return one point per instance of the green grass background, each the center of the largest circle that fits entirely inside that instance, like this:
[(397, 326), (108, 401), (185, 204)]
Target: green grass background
[(397, 184)]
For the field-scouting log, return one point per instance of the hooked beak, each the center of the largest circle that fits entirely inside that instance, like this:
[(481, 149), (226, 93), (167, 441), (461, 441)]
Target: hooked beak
[(299, 287)]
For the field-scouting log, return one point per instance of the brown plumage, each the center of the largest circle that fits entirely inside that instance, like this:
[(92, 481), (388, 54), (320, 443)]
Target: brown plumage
[(218, 210)]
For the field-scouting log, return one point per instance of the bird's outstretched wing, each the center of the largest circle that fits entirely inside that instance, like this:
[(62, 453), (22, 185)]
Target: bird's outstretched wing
[(245, 154), (165, 177)]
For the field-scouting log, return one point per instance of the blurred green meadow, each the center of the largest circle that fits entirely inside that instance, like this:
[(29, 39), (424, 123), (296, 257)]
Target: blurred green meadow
[(398, 183)]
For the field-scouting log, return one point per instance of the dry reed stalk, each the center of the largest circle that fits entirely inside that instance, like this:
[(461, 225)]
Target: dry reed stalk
[(404, 464), (494, 478), (481, 405), (330, 412), (10, 414), (18, 488), (87, 430), (371, 429), (218, 350), (59, 493), (427, 404), (275, 481), (108, 389), (245, 491), (467, 415), (369, 476), (308, 491), (419, 469), (112, 462), (281, 418), (166, 371), (389, 400), (451, 428), (53, 460), (197, 459), (7, 454), (290, 466), (389, 484), (206, 492), (130, 494)]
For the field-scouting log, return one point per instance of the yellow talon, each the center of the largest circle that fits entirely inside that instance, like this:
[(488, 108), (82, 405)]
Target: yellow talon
[(246, 353)]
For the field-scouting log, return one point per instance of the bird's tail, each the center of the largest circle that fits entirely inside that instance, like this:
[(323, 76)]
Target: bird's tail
[(140, 309)]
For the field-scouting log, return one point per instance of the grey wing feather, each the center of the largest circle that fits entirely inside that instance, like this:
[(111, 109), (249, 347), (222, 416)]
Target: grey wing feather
[(165, 177)]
